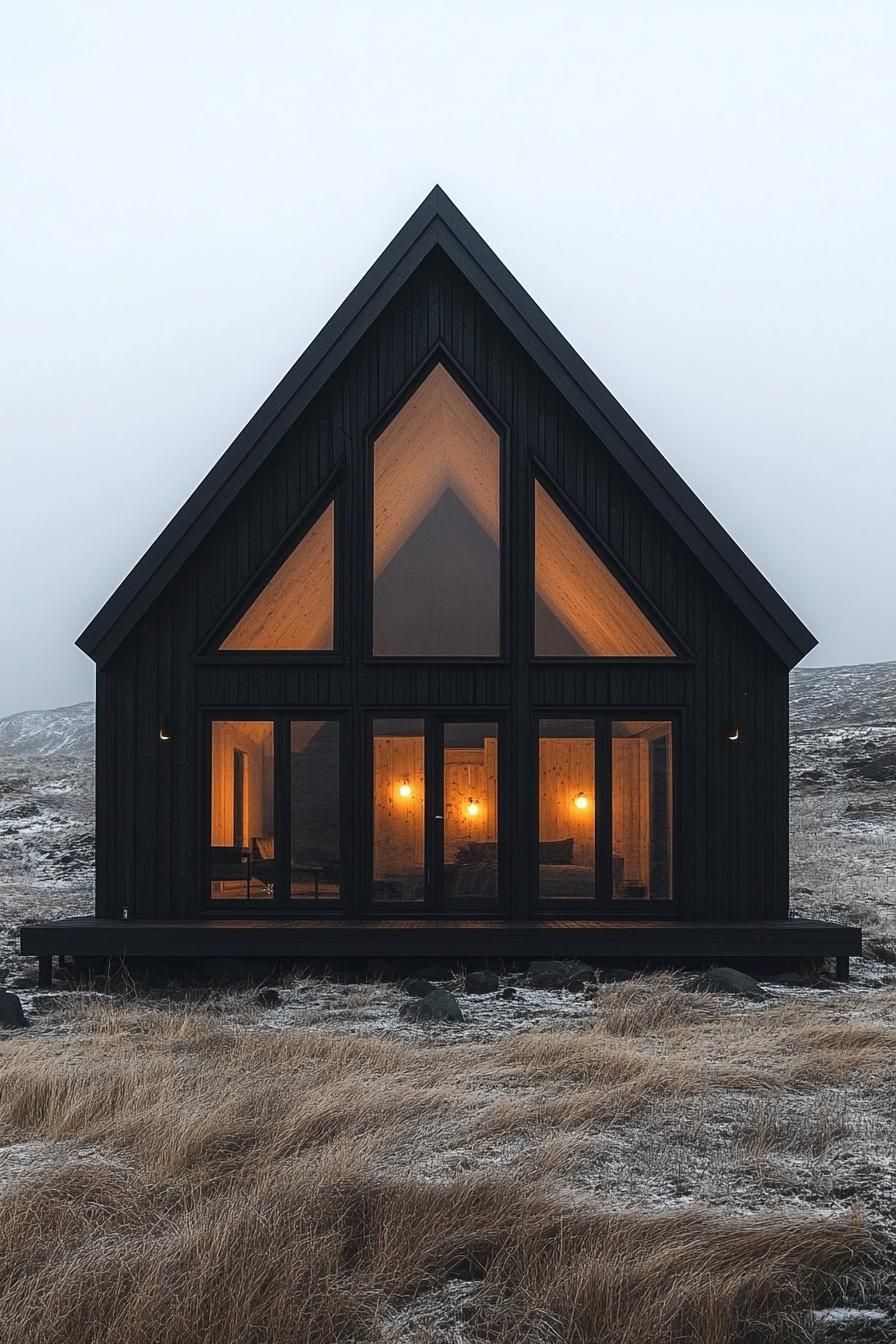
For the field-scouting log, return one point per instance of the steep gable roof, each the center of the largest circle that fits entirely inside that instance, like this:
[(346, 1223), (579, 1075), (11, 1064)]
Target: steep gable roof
[(437, 223)]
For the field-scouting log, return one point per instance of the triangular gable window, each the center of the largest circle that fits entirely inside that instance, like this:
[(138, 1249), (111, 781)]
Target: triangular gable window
[(294, 611), (437, 528), (581, 609)]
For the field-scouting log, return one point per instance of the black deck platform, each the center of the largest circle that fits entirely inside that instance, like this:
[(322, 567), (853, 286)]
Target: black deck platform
[(314, 937)]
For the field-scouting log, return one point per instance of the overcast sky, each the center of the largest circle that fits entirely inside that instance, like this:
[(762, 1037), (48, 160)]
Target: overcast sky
[(701, 196)]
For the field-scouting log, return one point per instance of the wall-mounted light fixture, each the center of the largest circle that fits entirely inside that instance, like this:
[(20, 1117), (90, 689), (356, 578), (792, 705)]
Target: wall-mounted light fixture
[(165, 729), (404, 788), (732, 732), (580, 801), (473, 808)]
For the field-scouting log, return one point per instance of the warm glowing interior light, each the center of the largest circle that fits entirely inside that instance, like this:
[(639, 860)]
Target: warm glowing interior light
[(472, 808), (404, 788), (580, 801)]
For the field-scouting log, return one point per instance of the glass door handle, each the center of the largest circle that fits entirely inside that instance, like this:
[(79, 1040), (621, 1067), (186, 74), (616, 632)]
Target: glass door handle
[(438, 817)]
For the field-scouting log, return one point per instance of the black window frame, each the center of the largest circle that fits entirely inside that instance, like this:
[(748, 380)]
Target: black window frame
[(538, 474), (438, 355), (603, 718), (332, 491), (281, 901), (435, 902)]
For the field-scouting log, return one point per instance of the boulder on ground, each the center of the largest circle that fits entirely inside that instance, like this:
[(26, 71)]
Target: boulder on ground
[(268, 998), (803, 980), (726, 980), (508, 992), (11, 1012), (571, 975), (438, 1006), (417, 987), (481, 982)]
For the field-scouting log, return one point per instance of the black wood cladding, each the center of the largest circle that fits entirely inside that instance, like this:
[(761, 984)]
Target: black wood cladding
[(732, 798)]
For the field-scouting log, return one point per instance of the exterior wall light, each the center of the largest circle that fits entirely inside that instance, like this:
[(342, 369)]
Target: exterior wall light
[(404, 788), (580, 801), (472, 808)]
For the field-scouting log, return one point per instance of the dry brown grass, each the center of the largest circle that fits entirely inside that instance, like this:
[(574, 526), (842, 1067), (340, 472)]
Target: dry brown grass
[(320, 1250), (293, 1185)]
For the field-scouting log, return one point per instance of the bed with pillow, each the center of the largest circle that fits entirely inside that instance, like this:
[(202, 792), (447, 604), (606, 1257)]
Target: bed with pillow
[(474, 871)]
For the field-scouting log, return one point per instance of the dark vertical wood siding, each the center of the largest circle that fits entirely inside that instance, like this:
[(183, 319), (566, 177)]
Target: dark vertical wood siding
[(732, 798)]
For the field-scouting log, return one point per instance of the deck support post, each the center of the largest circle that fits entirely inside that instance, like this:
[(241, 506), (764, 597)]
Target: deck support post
[(45, 972), (842, 970)]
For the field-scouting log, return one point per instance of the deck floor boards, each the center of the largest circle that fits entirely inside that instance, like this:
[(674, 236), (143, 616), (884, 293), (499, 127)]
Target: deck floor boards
[(439, 937)]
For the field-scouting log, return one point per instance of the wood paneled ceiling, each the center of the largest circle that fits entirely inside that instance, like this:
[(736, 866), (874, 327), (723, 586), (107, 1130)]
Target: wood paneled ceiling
[(438, 441), (294, 610), (575, 584)]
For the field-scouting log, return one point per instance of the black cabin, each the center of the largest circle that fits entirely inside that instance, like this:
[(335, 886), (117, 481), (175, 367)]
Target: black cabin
[(442, 658)]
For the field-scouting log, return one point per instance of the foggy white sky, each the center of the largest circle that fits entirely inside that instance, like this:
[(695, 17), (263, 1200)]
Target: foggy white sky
[(701, 196)]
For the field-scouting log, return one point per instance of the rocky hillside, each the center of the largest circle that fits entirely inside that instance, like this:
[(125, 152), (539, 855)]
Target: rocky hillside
[(43, 732), (822, 696)]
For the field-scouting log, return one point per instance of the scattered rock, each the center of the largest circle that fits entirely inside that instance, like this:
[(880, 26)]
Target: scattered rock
[(878, 768), (11, 1013), (268, 998), (417, 987), (481, 982), (438, 1006), (434, 973), (45, 1003), (883, 951), (726, 980), (571, 975), (803, 980), (508, 992)]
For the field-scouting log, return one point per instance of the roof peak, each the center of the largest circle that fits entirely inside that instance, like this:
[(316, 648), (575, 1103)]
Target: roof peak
[(438, 222)]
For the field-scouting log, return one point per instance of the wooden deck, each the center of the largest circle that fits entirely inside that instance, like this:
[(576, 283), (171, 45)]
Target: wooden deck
[(440, 938)]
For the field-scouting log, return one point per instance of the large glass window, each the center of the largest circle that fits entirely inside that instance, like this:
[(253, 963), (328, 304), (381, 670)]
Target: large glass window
[(642, 811), (470, 806), (581, 609), (567, 810), (314, 810), (436, 528), (399, 819), (242, 860), (294, 610)]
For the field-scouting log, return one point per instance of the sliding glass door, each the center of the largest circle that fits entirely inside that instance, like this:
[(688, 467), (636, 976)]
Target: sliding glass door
[(435, 802), (275, 818), (604, 800)]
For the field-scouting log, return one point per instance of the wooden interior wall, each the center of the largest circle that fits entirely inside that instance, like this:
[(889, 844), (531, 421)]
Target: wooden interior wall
[(733, 817), (398, 823), (256, 741), (630, 828), (470, 773), (566, 765)]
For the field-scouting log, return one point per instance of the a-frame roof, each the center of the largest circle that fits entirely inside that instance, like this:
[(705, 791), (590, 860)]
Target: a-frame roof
[(438, 223)]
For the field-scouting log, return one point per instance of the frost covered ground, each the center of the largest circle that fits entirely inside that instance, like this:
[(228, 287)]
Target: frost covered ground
[(843, 799), (771, 1132)]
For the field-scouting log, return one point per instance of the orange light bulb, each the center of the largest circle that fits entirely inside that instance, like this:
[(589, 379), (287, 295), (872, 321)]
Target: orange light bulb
[(580, 801), (472, 808)]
